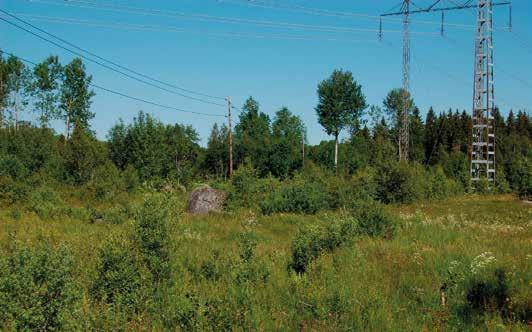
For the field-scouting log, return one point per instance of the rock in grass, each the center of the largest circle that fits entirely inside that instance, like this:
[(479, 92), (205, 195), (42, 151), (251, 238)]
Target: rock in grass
[(206, 199)]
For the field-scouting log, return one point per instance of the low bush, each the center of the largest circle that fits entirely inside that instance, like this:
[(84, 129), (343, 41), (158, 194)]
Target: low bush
[(312, 241), (13, 191), (247, 189), (486, 289), (106, 182), (130, 178), (151, 237), (37, 289), (296, 196), (373, 220), (402, 183), (47, 203), (118, 277), (12, 167), (249, 268)]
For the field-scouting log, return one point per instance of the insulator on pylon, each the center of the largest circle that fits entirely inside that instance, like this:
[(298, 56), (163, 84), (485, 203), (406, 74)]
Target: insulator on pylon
[(380, 30), (442, 31)]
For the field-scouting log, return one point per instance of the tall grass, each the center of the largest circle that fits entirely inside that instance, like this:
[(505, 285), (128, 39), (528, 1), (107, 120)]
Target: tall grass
[(229, 271)]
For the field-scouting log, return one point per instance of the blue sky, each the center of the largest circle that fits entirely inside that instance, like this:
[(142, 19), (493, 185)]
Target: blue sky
[(214, 57)]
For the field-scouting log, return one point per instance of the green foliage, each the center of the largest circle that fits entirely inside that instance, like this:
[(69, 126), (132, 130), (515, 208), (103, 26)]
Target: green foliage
[(246, 189), (253, 137), (131, 179), (484, 289), (76, 95), (151, 237), (288, 135), (45, 89), (340, 104), (520, 176), (155, 150), (13, 191), (107, 182), (118, 279), (216, 160), (83, 155), (37, 289), (402, 183), (314, 240), (12, 167), (297, 196), (373, 220), (46, 203)]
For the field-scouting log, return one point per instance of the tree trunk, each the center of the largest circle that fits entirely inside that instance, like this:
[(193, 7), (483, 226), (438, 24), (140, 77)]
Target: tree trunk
[(67, 125), (303, 151), (68, 122), (16, 113), (336, 151)]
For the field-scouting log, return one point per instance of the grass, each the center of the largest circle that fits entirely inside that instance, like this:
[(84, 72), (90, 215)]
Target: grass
[(369, 285)]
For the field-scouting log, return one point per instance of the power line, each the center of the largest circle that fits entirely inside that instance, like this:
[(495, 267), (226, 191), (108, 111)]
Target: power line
[(218, 19), (145, 101), (101, 58), (452, 77), (329, 13), (138, 27), (513, 76)]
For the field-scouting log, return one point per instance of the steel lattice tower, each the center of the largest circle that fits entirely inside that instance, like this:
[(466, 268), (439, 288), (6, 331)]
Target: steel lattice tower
[(483, 143), (404, 116)]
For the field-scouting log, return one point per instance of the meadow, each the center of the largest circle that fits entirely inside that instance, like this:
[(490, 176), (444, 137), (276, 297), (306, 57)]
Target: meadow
[(461, 263)]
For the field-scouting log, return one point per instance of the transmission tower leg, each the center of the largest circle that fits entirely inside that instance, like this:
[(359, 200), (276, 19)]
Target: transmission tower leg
[(483, 140)]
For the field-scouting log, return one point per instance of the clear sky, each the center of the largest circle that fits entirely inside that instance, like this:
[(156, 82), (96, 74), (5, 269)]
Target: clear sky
[(277, 64)]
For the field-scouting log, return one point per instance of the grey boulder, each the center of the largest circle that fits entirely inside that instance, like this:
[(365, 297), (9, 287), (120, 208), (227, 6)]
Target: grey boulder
[(206, 199)]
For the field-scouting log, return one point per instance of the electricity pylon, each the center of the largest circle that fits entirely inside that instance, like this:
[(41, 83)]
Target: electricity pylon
[(483, 144)]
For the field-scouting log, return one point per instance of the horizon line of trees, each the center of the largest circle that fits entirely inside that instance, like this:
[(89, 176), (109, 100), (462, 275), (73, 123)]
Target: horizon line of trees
[(275, 146)]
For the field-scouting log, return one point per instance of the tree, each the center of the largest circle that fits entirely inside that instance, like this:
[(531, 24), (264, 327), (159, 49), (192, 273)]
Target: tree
[(76, 95), (253, 136), (18, 80), (340, 104), (394, 105), (83, 154), (288, 138), (48, 75), (155, 150), (417, 133), (216, 159), (431, 134), (4, 90)]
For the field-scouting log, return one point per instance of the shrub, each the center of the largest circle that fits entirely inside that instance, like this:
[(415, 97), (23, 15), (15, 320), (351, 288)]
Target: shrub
[(211, 269), (373, 220), (297, 196), (249, 269), (151, 237), (491, 294), (312, 241), (402, 183), (246, 189), (37, 289), (481, 186), (486, 289), (131, 179), (118, 278), (12, 191), (12, 167), (46, 203), (182, 312), (106, 182), (439, 184)]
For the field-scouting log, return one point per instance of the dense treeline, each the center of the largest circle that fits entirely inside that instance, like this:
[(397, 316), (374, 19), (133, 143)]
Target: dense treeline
[(157, 153)]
